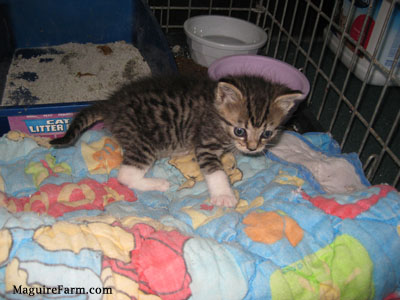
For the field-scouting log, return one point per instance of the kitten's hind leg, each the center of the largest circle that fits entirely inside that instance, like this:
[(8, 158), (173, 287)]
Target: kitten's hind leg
[(133, 177), (138, 157)]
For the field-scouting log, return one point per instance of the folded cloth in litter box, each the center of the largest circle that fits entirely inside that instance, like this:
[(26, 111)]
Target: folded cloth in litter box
[(308, 226)]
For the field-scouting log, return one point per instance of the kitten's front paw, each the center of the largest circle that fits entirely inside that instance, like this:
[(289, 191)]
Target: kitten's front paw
[(224, 200), (221, 193)]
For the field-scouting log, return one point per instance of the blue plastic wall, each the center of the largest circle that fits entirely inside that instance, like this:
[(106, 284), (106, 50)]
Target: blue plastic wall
[(37, 23), (41, 23)]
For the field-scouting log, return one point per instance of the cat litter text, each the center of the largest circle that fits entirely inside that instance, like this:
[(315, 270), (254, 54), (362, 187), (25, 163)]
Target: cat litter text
[(47, 125)]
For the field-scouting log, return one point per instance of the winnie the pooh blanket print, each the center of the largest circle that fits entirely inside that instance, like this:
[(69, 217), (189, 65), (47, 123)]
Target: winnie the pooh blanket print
[(308, 226)]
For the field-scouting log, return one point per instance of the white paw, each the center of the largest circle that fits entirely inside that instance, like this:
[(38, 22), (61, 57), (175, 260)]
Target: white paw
[(149, 184), (158, 184), (134, 178), (221, 193), (224, 200)]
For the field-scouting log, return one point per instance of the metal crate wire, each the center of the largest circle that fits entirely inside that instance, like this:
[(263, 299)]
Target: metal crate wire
[(363, 118)]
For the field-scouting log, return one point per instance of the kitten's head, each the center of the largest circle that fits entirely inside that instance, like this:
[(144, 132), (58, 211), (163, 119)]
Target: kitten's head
[(252, 109)]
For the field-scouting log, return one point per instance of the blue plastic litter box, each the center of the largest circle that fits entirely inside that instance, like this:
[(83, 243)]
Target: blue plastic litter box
[(29, 24)]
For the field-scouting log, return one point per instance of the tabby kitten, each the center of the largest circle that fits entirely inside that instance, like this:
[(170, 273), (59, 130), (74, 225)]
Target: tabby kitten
[(157, 117)]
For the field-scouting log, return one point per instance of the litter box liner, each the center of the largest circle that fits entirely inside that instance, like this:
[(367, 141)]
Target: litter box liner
[(71, 72)]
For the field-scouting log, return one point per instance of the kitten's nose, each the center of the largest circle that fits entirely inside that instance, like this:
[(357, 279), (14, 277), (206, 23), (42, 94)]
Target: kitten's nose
[(252, 147)]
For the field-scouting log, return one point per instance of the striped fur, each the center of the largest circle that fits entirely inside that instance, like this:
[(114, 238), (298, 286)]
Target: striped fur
[(160, 116), (83, 120)]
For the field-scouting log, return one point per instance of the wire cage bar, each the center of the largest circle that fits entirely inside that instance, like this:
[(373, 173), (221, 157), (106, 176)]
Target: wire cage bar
[(364, 117)]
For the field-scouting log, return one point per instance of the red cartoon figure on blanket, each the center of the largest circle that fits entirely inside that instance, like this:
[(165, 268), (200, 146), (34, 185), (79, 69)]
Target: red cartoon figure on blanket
[(157, 263), (349, 210), (57, 200)]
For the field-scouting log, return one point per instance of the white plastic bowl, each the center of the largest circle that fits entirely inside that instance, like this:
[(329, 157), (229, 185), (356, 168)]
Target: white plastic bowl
[(212, 37)]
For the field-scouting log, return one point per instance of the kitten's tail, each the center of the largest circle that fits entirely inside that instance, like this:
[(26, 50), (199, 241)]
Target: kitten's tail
[(83, 120)]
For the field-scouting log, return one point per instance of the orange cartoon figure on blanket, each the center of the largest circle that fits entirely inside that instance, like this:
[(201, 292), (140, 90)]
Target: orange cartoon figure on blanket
[(102, 156), (270, 227)]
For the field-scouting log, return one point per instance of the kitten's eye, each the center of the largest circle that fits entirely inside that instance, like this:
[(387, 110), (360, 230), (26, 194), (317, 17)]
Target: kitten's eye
[(266, 134), (240, 132)]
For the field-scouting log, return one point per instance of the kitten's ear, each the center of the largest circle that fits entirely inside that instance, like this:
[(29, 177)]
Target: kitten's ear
[(228, 93), (288, 101)]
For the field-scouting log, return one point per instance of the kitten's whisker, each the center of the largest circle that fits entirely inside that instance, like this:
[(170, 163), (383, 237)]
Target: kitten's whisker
[(233, 150), (271, 144)]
